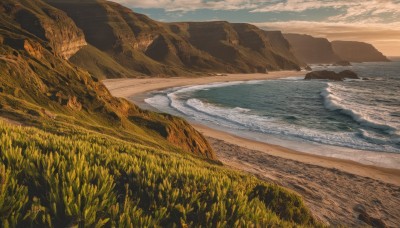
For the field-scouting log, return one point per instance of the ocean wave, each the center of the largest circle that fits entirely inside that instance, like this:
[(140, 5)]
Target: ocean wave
[(333, 102), (336, 96), (294, 78), (237, 115), (237, 118)]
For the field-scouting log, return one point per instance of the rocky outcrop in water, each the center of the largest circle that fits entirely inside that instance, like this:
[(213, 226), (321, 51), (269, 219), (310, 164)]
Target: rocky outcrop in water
[(331, 75)]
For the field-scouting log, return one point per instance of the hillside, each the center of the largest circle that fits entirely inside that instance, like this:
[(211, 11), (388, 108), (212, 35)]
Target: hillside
[(84, 158), (147, 47), (78, 178), (311, 49), (354, 51), (40, 87)]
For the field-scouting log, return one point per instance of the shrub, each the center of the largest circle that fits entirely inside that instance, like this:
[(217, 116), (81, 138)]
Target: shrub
[(81, 178)]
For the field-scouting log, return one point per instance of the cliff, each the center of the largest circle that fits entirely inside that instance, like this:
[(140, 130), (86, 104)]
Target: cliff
[(311, 49), (282, 46), (39, 87), (46, 23), (355, 51), (147, 47), (238, 47)]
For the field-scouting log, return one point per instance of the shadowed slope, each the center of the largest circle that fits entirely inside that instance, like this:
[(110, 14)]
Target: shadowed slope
[(312, 50), (354, 51), (154, 48)]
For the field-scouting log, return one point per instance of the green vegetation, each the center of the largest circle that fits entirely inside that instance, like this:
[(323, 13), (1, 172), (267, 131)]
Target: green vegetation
[(92, 160), (79, 178)]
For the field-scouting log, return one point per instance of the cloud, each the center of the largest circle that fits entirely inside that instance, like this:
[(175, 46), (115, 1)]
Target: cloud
[(348, 8), (301, 5), (386, 37), (192, 5), (345, 10)]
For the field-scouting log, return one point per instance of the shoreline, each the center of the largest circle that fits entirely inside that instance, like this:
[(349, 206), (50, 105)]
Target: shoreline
[(336, 190), (386, 175), (127, 88)]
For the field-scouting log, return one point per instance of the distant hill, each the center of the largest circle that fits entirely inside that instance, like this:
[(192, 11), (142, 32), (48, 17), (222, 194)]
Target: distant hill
[(355, 51), (311, 49), (282, 46), (146, 47)]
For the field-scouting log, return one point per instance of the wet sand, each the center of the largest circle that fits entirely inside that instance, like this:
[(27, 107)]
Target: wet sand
[(336, 190)]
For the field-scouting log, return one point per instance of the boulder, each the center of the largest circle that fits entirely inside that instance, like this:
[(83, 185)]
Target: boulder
[(331, 75)]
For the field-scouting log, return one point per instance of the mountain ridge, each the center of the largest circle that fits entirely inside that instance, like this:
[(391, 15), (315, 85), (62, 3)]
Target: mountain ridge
[(311, 49), (316, 50), (355, 51), (147, 47)]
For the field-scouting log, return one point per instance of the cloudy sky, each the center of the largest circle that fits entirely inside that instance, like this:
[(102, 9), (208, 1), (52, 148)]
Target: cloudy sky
[(373, 21)]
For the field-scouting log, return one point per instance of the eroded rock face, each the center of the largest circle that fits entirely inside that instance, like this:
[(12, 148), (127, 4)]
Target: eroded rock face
[(73, 103), (331, 75), (64, 39), (33, 48), (143, 45)]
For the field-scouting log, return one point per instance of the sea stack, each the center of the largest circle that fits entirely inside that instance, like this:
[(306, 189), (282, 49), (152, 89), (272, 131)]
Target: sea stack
[(331, 75)]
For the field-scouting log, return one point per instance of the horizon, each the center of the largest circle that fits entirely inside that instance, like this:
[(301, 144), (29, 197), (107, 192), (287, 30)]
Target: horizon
[(373, 21)]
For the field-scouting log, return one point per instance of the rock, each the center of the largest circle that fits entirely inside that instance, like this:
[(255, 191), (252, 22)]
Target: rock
[(331, 75), (348, 74), (342, 63), (50, 25), (374, 222), (73, 103), (308, 68), (33, 48)]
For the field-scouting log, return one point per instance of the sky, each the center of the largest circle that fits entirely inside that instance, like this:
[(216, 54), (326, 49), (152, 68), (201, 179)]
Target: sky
[(372, 21)]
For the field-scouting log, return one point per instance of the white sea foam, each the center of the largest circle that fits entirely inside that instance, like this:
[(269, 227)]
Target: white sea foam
[(333, 102), (295, 78), (240, 118)]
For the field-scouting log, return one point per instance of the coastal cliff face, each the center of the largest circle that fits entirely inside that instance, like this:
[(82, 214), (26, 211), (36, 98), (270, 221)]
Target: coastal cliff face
[(46, 23), (355, 51), (282, 46), (319, 50), (39, 87), (311, 49), (147, 47)]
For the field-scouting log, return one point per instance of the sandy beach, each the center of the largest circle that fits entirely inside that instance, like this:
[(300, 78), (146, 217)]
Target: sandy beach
[(336, 190)]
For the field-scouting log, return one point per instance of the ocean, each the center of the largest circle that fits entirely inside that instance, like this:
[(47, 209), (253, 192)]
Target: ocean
[(354, 119)]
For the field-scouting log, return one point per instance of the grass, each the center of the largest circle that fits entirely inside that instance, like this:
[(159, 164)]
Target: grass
[(81, 178), (91, 160)]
